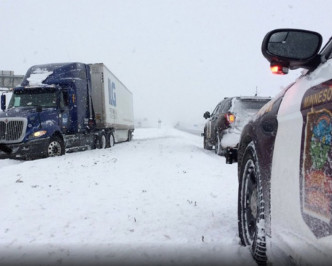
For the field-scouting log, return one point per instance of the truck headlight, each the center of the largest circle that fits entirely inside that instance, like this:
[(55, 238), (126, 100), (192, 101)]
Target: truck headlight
[(38, 134)]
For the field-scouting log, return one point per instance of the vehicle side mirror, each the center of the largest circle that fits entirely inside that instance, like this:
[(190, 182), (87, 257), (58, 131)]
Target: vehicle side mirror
[(291, 48), (3, 102), (207, 115)]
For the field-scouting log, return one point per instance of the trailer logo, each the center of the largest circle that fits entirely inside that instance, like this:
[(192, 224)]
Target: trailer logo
[(111, 93)]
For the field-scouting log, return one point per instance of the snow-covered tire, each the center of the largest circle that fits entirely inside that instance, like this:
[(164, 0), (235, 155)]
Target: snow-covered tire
[(101, 141), (110, 140), (251, 218), (206, 144), (55, 147), (218, 149)]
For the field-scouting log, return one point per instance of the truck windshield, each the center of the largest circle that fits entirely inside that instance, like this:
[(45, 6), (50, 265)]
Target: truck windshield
[(26, 98)]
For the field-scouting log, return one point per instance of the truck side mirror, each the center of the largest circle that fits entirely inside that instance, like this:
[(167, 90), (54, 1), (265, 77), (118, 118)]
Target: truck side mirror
[(3, 102), (206, 115)]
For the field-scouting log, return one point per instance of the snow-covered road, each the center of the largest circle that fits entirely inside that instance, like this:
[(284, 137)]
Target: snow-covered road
[(161, 199)]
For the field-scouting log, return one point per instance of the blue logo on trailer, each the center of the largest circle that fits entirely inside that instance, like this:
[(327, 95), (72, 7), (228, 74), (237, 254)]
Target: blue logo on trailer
[(111, 93)]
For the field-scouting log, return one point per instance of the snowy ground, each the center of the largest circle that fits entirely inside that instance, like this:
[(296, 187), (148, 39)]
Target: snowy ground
[(160, 199)]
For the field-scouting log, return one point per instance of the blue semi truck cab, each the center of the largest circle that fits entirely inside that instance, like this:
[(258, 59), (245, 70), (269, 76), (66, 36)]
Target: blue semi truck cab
[(53, 112)]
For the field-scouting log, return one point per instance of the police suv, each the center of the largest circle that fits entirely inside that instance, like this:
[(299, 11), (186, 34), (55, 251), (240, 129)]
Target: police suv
[(285, 158)]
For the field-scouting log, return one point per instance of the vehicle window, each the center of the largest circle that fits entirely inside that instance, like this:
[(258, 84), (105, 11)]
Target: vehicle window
[(251, 105), (227, 106), (64, 99), (220, 108), (245, 109), (33, 98), (215, 111), (327, 50)]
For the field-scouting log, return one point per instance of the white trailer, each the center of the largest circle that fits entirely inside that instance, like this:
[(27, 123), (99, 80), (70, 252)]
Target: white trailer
[(112, 102)]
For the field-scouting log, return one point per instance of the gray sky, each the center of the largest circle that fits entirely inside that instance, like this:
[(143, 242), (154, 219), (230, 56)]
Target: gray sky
[(178, 57)]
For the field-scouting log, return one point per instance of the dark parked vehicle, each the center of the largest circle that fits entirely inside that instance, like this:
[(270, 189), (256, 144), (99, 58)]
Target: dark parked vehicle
[(285, 158), (224, 126)]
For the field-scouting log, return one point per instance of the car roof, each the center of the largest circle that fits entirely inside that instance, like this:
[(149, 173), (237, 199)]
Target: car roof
[(248, 97)]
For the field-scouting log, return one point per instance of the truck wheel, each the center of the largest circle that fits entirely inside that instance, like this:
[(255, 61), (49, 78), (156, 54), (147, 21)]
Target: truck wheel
[(111, 140), (251, 219), (56, 147), (101, 141)]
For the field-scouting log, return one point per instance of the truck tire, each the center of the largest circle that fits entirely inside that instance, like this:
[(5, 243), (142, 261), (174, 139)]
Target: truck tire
[(251, 218), (111, 140), (56, 147), (101, 141)]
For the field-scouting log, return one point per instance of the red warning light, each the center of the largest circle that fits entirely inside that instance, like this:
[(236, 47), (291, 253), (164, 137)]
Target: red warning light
[(279, 70)]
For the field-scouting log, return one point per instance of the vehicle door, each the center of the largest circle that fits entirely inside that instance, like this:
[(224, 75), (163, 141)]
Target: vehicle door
[(64, 115), (301, 183), (316, 158)]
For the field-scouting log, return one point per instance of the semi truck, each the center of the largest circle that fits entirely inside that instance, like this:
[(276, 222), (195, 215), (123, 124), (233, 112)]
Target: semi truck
[(63, 107)]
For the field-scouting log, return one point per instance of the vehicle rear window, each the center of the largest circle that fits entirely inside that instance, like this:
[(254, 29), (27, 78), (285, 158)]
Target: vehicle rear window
[(245, 109), (252, 105)]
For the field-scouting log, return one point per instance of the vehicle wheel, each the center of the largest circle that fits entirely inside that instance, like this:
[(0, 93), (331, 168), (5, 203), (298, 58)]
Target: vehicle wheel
[(218, 149), (94, 142), (101, 141), (111, 140), (206, 144), (130, 135), (251, 219), (56, 147)]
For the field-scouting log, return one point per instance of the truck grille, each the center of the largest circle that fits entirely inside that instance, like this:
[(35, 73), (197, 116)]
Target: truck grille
[(12, 129)]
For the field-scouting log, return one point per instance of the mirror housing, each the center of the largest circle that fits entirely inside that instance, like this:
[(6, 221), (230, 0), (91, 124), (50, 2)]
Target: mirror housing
[(3, 102), (207, 115), (291, 48)]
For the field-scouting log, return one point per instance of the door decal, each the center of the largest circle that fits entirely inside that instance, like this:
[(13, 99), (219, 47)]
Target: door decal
[(316, 162)]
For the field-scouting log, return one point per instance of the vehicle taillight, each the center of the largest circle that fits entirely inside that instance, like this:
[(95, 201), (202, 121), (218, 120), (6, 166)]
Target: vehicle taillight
[(230, 118)]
